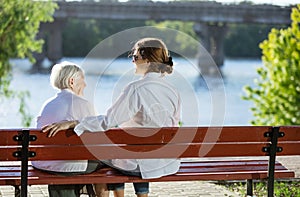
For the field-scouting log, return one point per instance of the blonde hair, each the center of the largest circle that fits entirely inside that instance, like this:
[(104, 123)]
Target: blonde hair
[(156, 52), (62, 73)]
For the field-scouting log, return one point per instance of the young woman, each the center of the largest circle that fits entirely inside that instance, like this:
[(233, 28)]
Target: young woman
[(148, 102)]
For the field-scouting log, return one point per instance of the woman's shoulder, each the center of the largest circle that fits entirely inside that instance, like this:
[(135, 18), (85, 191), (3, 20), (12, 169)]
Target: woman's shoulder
[(70, 97), (150, 84), (133, 84), (80, 100), (150, 81)]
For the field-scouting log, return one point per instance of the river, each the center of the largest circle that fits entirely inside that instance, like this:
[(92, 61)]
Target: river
[(206, 100)]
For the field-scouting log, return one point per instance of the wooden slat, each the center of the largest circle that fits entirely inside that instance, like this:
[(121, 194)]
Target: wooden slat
[(218, 163), (190, 135), (6, 137), (146, 135), (6, 154), (154, 136), (291, 133), (147, 151), (290, 142), (232, 171), (289, 148), (232, 168), (158, 135)]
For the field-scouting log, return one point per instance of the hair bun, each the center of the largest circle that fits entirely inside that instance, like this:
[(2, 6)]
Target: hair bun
[(170, 62)]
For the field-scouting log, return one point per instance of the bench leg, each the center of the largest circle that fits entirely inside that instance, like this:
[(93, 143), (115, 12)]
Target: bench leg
[(249, 187), (272, 160), (17, 191)]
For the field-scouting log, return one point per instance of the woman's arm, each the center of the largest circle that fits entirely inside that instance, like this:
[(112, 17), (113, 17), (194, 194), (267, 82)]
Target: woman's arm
[(123, 109), (53, 129)]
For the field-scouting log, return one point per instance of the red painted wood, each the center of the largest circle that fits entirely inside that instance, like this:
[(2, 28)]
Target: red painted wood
[(186, 172), (184, 142), (147, 135), (163, 136), (291, 133), (160, 135)]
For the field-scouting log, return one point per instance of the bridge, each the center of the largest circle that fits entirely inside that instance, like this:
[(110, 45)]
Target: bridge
[(210, 19)]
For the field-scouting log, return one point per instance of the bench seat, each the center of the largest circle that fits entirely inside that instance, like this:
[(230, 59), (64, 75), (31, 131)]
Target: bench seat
[(232, 153), (189, 170)]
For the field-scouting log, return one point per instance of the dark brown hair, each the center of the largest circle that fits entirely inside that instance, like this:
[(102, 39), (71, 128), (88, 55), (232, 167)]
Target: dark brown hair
[(156, 52)]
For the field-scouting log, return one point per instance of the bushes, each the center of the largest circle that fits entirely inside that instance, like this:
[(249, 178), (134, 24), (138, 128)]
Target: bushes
[(281, 188), (276, 97)]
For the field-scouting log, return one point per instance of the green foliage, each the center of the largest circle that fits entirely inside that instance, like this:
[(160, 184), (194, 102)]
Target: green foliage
[(81, 36), (281, 188), (277, 95), (19, 24), (242, 40), (187, 46)]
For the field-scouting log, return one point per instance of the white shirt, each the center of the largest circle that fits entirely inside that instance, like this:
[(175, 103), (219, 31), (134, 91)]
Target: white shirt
[(148, 102), (62, 107)]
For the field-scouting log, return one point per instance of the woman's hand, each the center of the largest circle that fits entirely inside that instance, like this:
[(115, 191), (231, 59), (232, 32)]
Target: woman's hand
[(54, 128)]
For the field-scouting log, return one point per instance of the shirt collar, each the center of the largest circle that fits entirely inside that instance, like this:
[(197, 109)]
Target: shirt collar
[(63, 91), (153, 75)]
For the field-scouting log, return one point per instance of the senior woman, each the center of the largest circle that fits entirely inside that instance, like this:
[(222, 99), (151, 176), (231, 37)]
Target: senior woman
[(67, 105), (148, 102)]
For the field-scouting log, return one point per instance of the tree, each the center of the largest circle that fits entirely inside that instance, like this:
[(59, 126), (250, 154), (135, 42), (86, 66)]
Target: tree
[(242, 40), (277, 95), (81, 36), (19, 24), (188, 46)]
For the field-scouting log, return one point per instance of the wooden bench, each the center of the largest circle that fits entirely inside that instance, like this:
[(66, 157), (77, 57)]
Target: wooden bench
[(188, 143)]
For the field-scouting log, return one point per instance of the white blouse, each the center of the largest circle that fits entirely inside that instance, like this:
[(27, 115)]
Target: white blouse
[(148, 102), (63, 107)]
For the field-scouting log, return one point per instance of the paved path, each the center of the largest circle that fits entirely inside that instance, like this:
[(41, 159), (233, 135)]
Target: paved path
[(170, 189), (167, 189)]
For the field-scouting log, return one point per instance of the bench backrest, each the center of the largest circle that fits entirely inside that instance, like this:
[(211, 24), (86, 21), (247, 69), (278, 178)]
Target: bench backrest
[(151, 143), (289, 143)]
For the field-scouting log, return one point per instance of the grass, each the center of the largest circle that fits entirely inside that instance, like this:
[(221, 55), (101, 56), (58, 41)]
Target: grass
[(281, 188)]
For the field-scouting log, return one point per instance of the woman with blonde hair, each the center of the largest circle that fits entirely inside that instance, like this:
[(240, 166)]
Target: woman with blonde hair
[(148, 102), (67, 105)]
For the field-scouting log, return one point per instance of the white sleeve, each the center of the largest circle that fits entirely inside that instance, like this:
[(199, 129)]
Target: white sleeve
[(125, 107), (91, 123), (81, 108)]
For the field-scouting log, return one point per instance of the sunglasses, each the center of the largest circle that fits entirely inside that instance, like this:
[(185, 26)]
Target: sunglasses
[(135, 57)]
